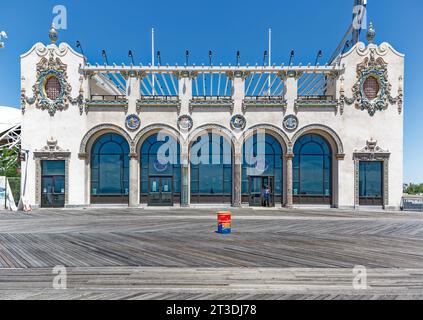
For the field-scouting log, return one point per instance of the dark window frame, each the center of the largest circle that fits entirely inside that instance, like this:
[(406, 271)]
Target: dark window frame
[(302, 197)]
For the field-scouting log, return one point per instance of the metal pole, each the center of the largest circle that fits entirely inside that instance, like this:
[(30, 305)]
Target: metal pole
[(270, 55), (152, 58)]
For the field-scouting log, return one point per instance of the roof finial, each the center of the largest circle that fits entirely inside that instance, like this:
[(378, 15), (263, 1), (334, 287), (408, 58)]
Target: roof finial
[(371, 33), (53, 35)]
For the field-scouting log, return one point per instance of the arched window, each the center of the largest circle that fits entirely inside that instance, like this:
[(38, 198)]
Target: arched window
[(211, 170), (160, 170), (262, 167), (312, 170), (110, 169)]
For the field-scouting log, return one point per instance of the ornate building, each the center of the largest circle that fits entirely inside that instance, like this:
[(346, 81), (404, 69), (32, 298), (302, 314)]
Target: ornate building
[(327, 135)]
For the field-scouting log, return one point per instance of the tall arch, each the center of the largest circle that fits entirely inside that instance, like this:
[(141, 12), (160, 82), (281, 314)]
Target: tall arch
[(312, 170), (109, 169), (97, 131), (215, 128), (160, 168), (278, 133), (211, 167), (328, 133), (262, 170), (155, 128)]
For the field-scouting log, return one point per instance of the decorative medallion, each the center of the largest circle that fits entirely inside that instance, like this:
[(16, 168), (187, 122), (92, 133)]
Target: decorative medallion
[(133, 122), (185, 123), (238, 122), (372, 91), (290, 122)]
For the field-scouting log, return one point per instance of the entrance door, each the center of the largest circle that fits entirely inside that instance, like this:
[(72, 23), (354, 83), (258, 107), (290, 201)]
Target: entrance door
[(371, 183), (161, 191), (53, 184), (257, 185)]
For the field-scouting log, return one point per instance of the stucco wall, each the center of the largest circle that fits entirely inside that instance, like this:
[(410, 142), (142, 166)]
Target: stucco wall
[(354, 127)]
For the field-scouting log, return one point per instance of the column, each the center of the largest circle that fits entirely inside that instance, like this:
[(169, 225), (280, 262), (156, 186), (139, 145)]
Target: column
[(289, 198), (237, 181), (133, 92), (185, 91), (291, 83), (133, 181), (185, 193)]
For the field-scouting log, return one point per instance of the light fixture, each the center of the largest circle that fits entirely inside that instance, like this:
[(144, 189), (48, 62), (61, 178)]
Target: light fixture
[(131, 55), (186, 57), (291, 57), (319, 55), (104, 55)]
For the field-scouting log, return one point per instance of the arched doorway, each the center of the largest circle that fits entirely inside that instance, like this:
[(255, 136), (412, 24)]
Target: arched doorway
[(211, 169), (160, 170), (312, 170), (262, 168), (110, 170)]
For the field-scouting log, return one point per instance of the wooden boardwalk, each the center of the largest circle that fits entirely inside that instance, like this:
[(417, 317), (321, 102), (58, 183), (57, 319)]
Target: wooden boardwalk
[(165, 254)]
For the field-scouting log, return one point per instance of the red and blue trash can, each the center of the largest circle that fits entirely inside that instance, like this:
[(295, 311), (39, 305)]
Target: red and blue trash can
[(224, 222)]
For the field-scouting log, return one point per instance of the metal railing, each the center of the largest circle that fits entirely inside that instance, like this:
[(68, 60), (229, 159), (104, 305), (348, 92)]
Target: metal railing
[(317, 98), (96, 97), (412, 203)]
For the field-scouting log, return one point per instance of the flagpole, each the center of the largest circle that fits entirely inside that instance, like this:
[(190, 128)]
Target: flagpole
[(270, 55), (152, 59)]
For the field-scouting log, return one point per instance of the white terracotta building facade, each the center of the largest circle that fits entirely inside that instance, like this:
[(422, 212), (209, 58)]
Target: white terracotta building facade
[(332, 135)]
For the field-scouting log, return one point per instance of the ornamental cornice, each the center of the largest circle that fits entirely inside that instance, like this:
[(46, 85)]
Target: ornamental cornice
[(371, 152)]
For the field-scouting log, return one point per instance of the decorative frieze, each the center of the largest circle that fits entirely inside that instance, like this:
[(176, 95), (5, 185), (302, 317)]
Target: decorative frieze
[(51, 92), (372, 70)]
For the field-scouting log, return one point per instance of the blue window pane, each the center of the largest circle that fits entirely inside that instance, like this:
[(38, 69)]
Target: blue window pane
[(110, 166), (312, 166), (111, 148), (262, 157), (371, 179), (211, 166), (50, 168), (160, 156), (312, 148)]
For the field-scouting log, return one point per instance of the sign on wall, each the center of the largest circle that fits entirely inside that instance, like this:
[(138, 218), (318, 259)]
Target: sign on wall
[(6, 196), (2, 193)]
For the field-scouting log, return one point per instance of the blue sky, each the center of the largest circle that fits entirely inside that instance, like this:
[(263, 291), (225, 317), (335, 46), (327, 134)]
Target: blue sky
[(224, 26)]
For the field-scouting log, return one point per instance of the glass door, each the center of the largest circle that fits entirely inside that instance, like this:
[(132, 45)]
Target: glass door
[(161, 191), (53, 184), (258, 186), (256, 192), (371, 183)]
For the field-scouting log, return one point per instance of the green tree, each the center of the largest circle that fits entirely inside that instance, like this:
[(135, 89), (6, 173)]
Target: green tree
[(413, 189), (9, 162)]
